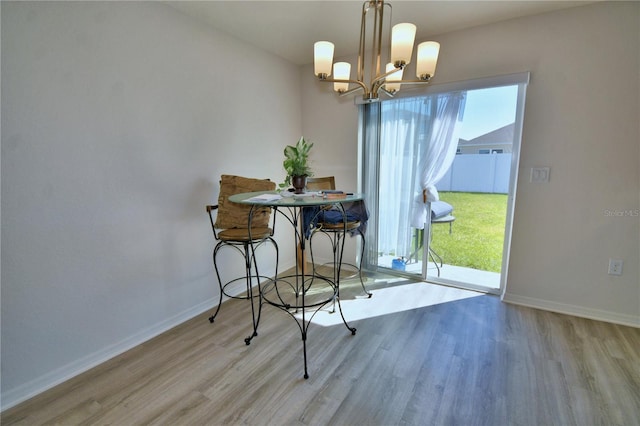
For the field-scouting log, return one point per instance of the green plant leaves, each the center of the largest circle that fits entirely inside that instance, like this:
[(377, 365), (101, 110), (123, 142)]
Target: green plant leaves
[(296, 160)]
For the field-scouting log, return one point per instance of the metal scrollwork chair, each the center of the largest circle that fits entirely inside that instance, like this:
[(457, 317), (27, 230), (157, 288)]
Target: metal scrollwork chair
[(231, 230), (335, 230)]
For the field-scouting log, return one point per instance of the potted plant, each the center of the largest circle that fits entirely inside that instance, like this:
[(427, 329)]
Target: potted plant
[(296, 164)]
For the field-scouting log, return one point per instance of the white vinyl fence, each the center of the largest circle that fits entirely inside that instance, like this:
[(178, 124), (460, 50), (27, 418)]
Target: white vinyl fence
[(478, 173)]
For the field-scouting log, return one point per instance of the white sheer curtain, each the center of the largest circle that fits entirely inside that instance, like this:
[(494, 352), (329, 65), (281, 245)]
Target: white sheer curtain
[(439, 153), (418, 142), (397, 153)]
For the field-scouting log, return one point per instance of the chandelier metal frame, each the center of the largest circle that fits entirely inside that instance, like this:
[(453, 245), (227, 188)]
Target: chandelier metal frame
[(387, 82)]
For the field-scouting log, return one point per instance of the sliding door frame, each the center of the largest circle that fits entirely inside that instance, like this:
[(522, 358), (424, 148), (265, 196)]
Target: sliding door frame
[(369, 165)]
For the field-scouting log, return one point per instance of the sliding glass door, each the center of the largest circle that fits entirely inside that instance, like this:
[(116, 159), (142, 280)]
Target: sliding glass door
[(430, 164)]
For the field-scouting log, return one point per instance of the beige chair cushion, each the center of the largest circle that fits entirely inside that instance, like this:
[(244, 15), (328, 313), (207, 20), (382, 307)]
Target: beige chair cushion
[(234, 215), (240, 234)]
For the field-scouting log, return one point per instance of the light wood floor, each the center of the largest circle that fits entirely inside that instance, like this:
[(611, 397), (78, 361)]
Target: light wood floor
[(475, 361)]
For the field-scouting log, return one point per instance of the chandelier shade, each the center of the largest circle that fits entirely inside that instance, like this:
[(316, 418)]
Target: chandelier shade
[(341, 71), (401, 42), (427, 59), (394, 76), (402, 38), (323, 57)]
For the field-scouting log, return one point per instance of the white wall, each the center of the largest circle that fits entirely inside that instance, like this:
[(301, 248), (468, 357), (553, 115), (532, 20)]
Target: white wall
[(118, 119), (331, 123), (581, 120)]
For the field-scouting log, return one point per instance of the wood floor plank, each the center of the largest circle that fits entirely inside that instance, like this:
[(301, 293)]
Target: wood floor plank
[(472, 361)]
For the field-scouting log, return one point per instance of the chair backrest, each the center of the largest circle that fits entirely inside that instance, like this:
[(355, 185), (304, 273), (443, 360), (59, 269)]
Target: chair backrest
[(234, 215), (320, 183)]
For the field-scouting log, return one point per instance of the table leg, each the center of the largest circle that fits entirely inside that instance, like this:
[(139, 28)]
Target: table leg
[(300, 283), (337, 276)]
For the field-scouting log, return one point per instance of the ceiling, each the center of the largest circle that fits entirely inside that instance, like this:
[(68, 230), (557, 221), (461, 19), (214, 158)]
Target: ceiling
[(289, 28)]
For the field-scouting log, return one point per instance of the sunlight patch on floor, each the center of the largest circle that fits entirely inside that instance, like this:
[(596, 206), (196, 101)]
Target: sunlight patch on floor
[(389, 300)]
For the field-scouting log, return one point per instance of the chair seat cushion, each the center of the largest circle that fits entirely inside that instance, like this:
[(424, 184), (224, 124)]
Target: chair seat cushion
[(335, 216), (242, 234), (356, 214), (334, 220), (440, 209), (329, 226)]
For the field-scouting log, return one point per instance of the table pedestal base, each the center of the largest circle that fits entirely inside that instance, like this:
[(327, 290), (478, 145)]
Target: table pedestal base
[(302, 297)]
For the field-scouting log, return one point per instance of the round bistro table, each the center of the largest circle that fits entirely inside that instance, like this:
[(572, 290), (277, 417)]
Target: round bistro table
[(301, 294)]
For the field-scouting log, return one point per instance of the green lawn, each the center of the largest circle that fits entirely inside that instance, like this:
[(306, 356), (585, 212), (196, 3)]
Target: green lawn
[(478, 231)]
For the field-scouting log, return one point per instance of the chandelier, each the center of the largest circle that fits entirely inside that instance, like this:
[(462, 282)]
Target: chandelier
[(401, 38)]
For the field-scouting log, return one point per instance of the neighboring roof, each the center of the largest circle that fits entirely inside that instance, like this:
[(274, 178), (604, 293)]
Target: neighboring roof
[(501, 136)]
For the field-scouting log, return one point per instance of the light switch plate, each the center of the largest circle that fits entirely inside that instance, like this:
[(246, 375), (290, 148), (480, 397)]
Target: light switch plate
[(539, 175)]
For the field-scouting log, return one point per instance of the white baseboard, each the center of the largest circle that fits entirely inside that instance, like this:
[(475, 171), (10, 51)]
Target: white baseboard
[(578, 311), (28, 390)]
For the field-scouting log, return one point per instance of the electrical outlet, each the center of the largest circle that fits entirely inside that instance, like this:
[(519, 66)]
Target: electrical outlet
[(615, 267)]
